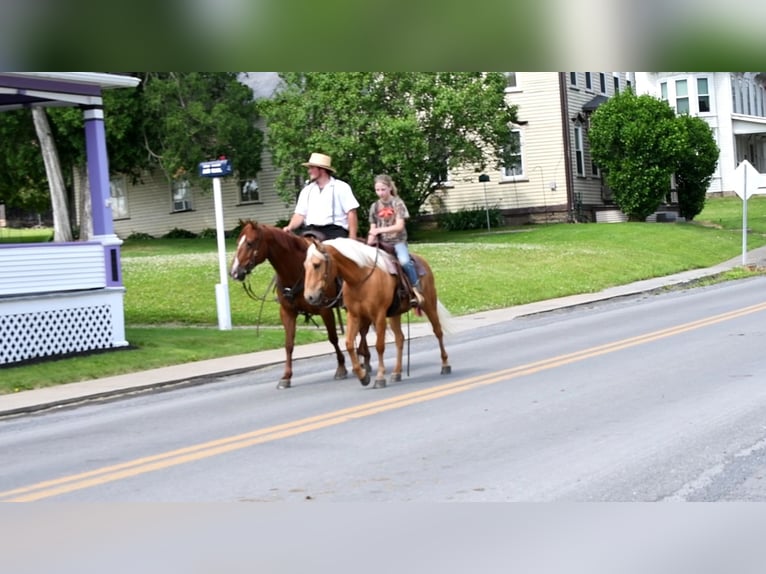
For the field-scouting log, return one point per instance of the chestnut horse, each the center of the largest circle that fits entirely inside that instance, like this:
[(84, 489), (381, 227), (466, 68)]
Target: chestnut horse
[(370, 296), (286, 252)]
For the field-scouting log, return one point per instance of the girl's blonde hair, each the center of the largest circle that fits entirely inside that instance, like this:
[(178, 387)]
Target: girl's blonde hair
[(386, 180)]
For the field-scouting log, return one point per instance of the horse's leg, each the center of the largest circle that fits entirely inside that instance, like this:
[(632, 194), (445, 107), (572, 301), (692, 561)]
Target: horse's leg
[(380, 346), (353, 327), (363, 350), (288, 322), (396, 326), (332, 333), (430, 307)]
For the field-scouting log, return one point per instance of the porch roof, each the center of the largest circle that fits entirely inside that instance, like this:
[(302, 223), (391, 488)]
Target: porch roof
[(25, 89), (742, 124)]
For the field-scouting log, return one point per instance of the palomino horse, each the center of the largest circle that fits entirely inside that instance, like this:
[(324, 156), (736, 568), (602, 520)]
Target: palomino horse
[(370, 296), (286, 252)]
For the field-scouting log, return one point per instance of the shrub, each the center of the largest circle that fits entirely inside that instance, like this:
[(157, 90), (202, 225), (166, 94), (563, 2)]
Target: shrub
[(176, 233), (473, 218), (139, 236), (208, 233), (281, 223)]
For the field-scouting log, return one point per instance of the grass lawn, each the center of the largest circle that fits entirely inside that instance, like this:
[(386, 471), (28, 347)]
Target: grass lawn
[(170, 305)]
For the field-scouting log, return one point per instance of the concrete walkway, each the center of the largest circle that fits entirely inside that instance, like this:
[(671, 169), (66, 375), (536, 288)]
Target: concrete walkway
[(193, 373)]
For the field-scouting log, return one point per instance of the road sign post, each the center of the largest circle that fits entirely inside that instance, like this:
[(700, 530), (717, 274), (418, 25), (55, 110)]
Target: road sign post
[(746, 179), (216, 170)]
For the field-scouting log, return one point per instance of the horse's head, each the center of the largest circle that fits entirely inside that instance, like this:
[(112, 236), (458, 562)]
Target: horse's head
[(316, 272), (251, 250)]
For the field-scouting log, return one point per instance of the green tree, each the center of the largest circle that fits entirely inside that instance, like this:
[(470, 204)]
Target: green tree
[(637, 141), (695, 166), (412, 125), (22, 173), (172, 121)]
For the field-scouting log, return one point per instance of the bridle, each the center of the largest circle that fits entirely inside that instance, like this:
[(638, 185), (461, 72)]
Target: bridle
[(337, 300), (250, 265)]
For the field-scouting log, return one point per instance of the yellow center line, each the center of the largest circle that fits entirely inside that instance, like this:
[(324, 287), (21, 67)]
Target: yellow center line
[(100, 476)]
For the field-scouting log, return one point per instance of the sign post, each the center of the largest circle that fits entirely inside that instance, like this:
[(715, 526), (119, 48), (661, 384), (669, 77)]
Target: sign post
[(746, 184), (484, 178), (216, 170)]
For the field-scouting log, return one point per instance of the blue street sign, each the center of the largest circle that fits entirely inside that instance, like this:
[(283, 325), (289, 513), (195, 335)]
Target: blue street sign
[(217, 168)]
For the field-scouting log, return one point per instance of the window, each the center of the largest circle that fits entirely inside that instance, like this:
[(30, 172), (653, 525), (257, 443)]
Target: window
[(616, 84), (588, 81), (579, 156), (515, 169), (664, 91), (118, 197), (682, 97), (511, 82), (602, 82), (181, 195), (594, 168), (248, 191), (703, 95), (573, 78)]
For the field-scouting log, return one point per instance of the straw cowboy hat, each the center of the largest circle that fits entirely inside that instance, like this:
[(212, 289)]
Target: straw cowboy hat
[(320, 160)]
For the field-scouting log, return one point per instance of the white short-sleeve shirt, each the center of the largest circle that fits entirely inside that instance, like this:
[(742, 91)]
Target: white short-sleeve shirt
[(327, 206)]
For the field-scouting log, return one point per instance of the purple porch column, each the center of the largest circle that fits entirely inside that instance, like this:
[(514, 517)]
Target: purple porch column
[(98, 179), (98, 170)]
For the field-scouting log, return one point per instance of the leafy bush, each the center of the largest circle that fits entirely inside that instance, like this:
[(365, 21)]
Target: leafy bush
[(176, 233), (474, 218), (208, 233), (139, 236)]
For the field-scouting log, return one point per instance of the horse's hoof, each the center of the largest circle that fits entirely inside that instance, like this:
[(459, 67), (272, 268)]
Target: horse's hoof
[(341, 375), (396, 377), (283, 384), (446, 370), (365, 380), (379, 384)]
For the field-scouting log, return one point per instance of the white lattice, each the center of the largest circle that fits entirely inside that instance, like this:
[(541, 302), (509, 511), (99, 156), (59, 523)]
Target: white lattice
[(33, 335)]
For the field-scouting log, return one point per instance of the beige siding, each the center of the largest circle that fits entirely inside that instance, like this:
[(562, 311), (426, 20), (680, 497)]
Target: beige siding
[(150, 205), (538, 101)]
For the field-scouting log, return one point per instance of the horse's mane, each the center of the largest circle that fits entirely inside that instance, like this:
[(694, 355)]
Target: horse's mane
[(360, 253), (284, 239)]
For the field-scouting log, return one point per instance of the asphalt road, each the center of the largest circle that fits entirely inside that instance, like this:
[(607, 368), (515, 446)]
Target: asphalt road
[(649, 398)]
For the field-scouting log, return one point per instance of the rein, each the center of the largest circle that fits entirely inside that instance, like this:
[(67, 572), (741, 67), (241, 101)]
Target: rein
[(249, 291)]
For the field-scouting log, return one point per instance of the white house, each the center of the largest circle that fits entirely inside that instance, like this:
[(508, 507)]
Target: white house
[(733, 103)]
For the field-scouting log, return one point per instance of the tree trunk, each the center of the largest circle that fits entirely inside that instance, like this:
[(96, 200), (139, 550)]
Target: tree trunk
[(85, 202), (62, 230)]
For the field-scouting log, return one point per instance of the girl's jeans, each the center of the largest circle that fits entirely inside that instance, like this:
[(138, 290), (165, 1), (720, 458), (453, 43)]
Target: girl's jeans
[(403, 255)]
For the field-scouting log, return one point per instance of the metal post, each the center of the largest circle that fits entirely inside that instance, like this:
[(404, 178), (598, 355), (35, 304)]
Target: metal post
[(744, 220), (484, 178)]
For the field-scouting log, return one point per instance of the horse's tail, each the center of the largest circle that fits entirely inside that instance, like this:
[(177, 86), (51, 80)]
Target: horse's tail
[(445, 317)]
